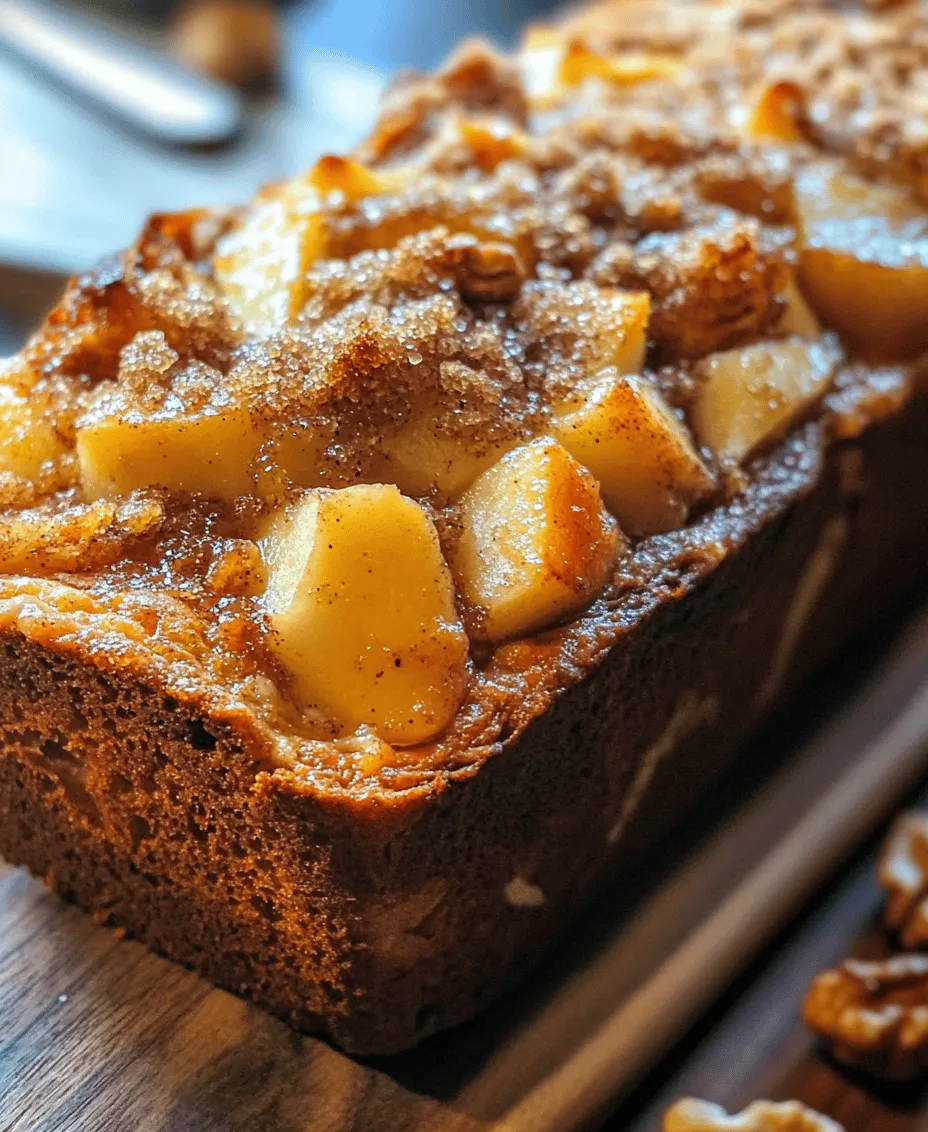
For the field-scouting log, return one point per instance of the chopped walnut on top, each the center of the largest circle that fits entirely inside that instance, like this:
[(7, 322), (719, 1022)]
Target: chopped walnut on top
[(711, 287), (874, 1015), (903, 875), (763, 1116), (235, 41), (489, 272)]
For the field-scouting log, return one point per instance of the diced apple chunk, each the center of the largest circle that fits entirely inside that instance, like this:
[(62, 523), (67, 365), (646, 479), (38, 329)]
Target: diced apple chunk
[(864, 261), (540, 64), (798, 317), (550, 63), (361, 607), (775, 112), (351, 179), (492, 140), (210, 452), (621, 335), (536, 543), (27, 439), (422, 459), (260, 266), (648, 470), (749, 396)]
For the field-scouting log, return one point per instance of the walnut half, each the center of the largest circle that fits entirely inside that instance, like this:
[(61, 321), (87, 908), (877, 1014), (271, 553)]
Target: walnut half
[(874, 1015), (488, 272), (763, 1116), (903, 876)]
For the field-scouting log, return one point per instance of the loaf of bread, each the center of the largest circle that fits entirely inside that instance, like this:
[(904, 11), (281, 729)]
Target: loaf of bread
[(384, 563)]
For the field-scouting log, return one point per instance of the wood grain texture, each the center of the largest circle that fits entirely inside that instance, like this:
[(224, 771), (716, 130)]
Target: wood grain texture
[(97, 1035)]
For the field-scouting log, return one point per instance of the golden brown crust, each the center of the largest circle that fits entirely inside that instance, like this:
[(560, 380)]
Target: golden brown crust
[(472, 291), (357, 904), (851, 70)]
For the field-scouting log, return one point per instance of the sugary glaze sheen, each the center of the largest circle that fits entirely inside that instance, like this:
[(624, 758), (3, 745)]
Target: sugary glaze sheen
[(645, 190)]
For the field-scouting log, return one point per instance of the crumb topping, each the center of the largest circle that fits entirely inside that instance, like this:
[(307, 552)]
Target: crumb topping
[(638, 235)]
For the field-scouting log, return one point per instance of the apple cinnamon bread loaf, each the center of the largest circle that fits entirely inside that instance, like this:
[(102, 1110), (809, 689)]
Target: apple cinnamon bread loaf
[(383, 561)]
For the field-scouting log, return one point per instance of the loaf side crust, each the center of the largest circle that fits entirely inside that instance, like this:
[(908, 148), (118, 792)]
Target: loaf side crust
[(384, 919)]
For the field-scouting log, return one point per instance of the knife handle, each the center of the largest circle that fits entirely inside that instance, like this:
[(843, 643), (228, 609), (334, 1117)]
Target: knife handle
[(139, 85)]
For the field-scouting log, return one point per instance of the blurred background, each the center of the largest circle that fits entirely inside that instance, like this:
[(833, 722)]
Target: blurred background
[(78, 173)]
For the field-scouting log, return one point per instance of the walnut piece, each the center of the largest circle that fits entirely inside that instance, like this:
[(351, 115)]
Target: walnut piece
[(488, 272), (475, 79), (691, 1115), (712, 287), (874, 1015), (903, 876)]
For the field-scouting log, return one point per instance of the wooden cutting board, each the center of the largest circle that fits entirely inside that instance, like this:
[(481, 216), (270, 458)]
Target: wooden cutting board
[(98, 1035)]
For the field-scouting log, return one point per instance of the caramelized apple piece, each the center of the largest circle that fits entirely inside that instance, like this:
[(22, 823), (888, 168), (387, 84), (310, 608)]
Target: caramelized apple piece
[(798, 317), (492, 140), (354, 181), (775, 113), (621, 338), (422, 458), (648, 470), (540, 63), (549, 64), (28, 439), (209, 451), (750, 395), (536, 542), (623, 69), (864, 261), (361, 604), (260, 266)]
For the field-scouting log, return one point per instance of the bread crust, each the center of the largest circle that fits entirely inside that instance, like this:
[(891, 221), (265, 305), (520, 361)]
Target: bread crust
[(379, 918)]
